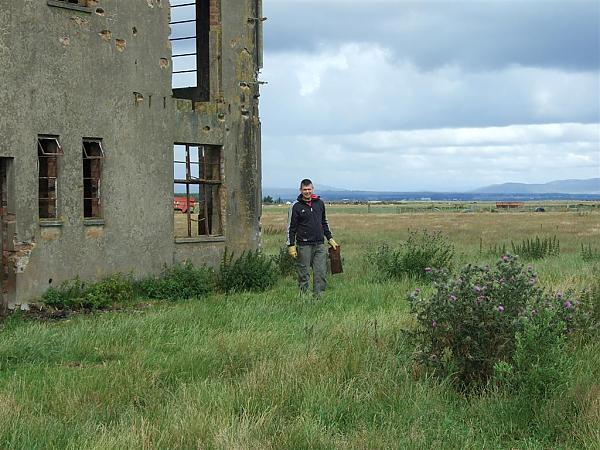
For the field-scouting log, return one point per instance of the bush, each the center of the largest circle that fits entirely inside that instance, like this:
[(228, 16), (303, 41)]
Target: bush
[(284, 262), (180, 281), (537, 248), (251, 271), (116, 289), (418, 255), (540, 364), (469, 328)]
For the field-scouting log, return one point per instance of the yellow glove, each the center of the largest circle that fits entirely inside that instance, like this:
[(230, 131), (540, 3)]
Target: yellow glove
[(333, 244), (292, 251)]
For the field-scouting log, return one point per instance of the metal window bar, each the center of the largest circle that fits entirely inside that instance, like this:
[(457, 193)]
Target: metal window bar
[(204, 182), (185, 38), (45, 144), (92, 149)]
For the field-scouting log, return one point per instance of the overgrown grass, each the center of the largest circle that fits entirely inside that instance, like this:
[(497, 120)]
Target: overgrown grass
[(273, 370)]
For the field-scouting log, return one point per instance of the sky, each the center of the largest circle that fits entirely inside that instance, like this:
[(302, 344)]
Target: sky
[(429, 95)]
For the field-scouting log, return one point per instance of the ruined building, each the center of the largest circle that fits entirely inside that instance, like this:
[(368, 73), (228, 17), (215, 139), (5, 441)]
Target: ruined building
[(95, 141)]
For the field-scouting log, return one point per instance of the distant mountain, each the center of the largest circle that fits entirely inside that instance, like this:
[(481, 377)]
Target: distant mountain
[(589, 186), (292, 193)]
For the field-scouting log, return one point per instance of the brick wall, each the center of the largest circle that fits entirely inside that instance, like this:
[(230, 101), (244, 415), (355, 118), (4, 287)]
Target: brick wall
[(215, 12)]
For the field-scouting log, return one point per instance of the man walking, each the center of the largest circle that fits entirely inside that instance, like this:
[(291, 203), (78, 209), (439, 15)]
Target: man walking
[(307, 228)]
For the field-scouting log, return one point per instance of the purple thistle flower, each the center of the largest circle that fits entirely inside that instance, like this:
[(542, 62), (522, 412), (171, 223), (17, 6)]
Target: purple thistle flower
[(417, 291), (568, 304), (433, 323), (452, 298), (534, 312), (477, 288), (505, 258), (500, 308)]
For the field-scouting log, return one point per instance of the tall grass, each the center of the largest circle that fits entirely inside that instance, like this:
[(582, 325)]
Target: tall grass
[(278, 371)]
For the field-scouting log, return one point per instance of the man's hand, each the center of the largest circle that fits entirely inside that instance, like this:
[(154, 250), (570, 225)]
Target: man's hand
[(333, 244), (292, 251)]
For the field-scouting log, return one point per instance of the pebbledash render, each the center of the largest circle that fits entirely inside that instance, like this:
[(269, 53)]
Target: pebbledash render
[(96, 144)]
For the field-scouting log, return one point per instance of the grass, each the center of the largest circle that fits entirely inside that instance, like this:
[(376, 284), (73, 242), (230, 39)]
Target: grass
[(276, 371)]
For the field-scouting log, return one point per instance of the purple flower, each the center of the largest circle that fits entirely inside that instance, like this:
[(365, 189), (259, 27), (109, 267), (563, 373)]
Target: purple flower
[(505, 258), (428, 269), (559, 294), (500, 308), (534, 312), (452, 298), (477, 288), (417, 291), (433, 323), (568, 304)]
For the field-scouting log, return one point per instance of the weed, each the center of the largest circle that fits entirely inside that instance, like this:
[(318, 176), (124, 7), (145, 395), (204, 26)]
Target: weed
[(116, 289), (418, 255), (471, 322), (537, 248), (590, 254), (251, 271), (180, 281), (284, 262)]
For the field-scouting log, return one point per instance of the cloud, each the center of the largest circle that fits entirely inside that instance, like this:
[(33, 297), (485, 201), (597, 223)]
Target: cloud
[(448, 159), (444, 95), (357, 87), (477, 35)]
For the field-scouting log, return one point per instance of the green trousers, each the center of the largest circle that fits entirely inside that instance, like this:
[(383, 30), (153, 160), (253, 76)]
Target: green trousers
[(313, 256)]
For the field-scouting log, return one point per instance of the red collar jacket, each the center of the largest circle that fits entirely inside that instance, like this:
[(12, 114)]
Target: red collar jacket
[(307, 222)]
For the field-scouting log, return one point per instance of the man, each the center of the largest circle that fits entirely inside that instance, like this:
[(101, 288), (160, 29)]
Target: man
[(307, 227)]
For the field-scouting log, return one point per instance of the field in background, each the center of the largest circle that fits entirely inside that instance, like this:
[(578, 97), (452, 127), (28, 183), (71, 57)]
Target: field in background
[(276, 371)]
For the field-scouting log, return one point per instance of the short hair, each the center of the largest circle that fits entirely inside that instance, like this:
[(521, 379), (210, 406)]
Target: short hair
[(305, 182)]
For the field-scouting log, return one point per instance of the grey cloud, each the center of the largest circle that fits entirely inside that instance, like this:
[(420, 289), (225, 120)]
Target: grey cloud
[(479, 35)]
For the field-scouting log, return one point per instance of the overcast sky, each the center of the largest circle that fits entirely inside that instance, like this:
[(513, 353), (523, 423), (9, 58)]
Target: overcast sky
[(430, 95)]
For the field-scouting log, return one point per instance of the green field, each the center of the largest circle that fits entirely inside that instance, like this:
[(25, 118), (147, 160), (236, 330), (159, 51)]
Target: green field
[(276, 371)]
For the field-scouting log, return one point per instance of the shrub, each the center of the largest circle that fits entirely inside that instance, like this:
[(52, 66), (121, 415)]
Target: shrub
[(418, 255), (590, 305), (66, 295), (540, 364), (251, 271), (470, 325), (537, 248), (180, 281), (116, 289), (284, 262)]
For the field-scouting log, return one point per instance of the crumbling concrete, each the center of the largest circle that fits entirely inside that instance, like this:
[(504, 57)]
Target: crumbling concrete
[(102, 69)]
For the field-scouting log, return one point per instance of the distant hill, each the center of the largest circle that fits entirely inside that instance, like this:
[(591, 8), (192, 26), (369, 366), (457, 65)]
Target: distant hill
[(589, 186)]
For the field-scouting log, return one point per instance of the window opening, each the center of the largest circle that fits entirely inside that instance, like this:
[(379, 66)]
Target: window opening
[(197, 185), (49, 150), (93, 155), (190, 42)]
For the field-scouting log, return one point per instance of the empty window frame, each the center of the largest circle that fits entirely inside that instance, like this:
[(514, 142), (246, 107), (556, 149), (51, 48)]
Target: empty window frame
[(49, 150), (190, 42), (197, 186), (93, 156)]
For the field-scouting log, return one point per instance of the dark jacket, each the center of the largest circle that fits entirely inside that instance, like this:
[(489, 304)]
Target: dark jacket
[(307, 222)]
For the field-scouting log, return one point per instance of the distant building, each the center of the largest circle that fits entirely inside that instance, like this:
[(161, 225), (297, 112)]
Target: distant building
[(94, 138), (509, 205)]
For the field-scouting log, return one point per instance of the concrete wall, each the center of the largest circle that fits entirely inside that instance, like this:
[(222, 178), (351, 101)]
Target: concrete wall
[(106, 74)]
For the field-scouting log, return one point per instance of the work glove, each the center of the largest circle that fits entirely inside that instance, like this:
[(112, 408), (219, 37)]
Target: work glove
[(292, 251), (333, 244)]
